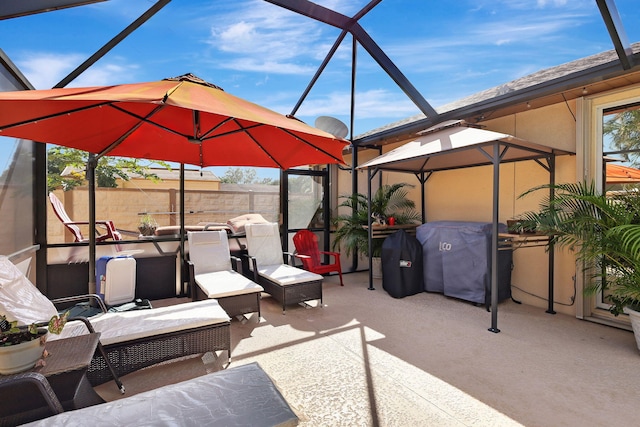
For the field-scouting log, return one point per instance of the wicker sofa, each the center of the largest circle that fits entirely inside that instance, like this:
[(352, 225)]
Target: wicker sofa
[(134, 340), (131, 340)]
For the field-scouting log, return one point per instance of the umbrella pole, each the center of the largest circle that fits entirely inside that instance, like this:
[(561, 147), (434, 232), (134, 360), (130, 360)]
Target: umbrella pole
[(183, 256), (91, 175)]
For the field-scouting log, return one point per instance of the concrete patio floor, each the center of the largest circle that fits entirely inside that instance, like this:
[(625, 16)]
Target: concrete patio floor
[(367, 359)]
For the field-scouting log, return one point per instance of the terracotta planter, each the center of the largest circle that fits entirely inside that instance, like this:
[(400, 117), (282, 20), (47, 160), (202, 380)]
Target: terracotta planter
[(20, 357), (634, 316)]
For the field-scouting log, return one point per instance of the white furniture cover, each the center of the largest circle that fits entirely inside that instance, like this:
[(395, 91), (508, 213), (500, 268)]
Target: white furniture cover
[(240, 396)]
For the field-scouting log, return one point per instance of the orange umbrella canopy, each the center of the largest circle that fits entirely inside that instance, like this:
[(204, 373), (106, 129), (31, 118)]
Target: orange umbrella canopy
[(182, 119), (619, 174)]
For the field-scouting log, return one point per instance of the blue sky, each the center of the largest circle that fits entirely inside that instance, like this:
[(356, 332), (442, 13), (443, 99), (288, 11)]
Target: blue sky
[(268, 55)]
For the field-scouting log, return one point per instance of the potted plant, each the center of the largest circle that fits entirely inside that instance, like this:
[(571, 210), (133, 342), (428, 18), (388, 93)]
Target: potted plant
[(22, 346), (147, 225), (604, 232), (352, 237)]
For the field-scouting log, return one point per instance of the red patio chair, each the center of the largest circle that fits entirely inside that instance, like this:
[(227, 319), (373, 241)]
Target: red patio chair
[(307, 250), (72, 226)]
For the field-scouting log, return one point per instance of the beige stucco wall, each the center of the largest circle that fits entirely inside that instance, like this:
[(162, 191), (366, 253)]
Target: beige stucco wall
[(553, 126), (138, 183), (124, 207)]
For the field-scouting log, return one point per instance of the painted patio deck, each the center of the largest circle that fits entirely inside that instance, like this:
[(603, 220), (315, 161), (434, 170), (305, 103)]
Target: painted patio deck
[(366, 359)]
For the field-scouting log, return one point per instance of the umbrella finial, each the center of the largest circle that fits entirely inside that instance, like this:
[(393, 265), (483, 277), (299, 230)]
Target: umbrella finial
[(193, 79)]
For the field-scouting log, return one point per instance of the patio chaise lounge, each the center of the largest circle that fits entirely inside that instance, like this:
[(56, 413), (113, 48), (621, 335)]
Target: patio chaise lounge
[(240, 396), (132, 340), (212, 274), (284, 282)]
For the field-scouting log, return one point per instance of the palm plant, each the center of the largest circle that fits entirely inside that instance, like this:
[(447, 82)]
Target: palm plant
[(389, 200), (604, 232)]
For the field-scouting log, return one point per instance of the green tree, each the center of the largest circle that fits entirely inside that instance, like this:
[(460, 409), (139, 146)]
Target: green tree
[(108, 170), (301, 184), (245, 176), (624, 129)]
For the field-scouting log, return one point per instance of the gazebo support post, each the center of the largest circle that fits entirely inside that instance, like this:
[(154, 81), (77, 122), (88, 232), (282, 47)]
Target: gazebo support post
[(369, 230), (552, 181), (494, 239)]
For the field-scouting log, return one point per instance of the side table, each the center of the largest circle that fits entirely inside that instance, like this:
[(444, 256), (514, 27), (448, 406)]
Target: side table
[(66, 368)]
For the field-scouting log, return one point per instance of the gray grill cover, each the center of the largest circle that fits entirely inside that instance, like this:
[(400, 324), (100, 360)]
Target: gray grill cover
[(457, 260)]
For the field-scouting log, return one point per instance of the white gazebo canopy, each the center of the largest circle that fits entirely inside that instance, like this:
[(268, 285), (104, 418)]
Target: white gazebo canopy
[(456, 144)]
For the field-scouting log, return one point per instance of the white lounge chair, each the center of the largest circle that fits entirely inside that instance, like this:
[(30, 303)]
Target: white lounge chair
[(284, 282), (213, 275), (132, 340)]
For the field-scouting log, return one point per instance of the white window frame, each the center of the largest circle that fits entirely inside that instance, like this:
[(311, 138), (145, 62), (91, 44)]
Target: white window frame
[(589, 143)]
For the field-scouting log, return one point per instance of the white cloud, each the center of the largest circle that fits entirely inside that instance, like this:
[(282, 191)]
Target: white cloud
[(527, 5), (376, 103), (486, 41), (543, 3), (100, 75), (258, 36), (525, 31), (275, 67), (44, 70)]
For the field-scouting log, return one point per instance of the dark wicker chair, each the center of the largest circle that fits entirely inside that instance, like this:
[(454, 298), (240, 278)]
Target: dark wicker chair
[(285, 283), (27, 397)]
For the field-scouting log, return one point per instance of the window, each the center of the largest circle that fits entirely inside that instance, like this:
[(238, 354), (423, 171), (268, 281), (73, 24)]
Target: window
[(608, 150), (620, 158)]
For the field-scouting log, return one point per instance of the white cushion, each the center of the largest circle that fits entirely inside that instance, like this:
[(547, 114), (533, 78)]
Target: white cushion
[(209, 251), (219, 284), (285, 274), (263, 243), (132, 325), (238, 223)]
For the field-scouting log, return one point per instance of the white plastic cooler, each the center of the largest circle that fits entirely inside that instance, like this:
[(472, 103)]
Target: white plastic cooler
[(116, 279)]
